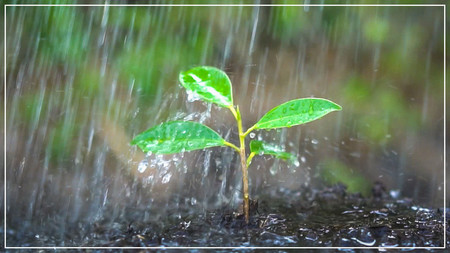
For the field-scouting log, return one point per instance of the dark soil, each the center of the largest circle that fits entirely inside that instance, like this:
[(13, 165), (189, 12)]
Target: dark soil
[(327, 218)]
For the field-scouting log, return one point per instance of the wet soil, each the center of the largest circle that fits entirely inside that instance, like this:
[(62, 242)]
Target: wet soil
[(330, 217)]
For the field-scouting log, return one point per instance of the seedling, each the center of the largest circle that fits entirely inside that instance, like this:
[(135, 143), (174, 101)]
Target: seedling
[(213, 85)]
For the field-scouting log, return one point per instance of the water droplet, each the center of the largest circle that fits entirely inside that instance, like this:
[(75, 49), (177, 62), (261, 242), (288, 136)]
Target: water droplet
[(252, 135), (143, 165), (192, 96), (166, 178), (273, 170), (314, 141), (312, 236), (193, 201), (303, 159), (296, 163), (394, 193)]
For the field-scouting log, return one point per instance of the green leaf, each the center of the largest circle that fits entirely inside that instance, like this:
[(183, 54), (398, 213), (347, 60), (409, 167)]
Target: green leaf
[(296, 112), (209, 83), (177, 136), (261, 148)]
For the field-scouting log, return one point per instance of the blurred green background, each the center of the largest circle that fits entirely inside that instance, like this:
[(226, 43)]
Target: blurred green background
[(82, 80)]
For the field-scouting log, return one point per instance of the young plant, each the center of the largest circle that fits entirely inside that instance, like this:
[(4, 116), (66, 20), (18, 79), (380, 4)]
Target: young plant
[(213, 85)]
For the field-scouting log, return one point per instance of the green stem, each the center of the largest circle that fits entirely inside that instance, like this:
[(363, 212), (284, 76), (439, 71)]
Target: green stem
[(232, 146), (250, 157), (249, 130), (236, 113), (243, 166), (233, 111)]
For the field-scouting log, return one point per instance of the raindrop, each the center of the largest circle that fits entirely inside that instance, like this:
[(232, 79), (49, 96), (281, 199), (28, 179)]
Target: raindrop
[(314, 141), (143, 165), (312, 236), (166, 178), (192, 97), (394, 193), (218, 162), (296, 163), (252, 135), (273, 170), (193, 201)]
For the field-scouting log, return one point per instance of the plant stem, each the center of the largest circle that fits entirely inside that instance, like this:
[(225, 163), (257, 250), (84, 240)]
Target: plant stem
[(231, 145), (241, 150), (243, 166), (250, 157), (249, 130)]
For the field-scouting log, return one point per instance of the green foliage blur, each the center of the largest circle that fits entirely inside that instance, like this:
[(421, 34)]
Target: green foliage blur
[(334, 171), (392, 57)]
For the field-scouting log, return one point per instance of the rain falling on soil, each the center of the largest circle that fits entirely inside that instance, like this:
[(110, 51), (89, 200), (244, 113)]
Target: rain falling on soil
[(81, 82)]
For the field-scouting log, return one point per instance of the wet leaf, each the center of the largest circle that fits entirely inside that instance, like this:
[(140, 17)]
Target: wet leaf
[(209, 83), (263, 148), (297, 112), (177, 136)]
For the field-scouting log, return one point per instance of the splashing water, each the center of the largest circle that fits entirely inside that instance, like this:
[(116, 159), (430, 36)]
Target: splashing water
[(143, 165)]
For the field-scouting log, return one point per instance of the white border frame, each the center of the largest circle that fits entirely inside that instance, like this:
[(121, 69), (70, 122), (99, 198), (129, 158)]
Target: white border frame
[(249, 5)]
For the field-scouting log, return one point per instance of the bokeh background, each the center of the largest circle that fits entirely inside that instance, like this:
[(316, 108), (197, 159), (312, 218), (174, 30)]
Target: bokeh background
[(83, 80)]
